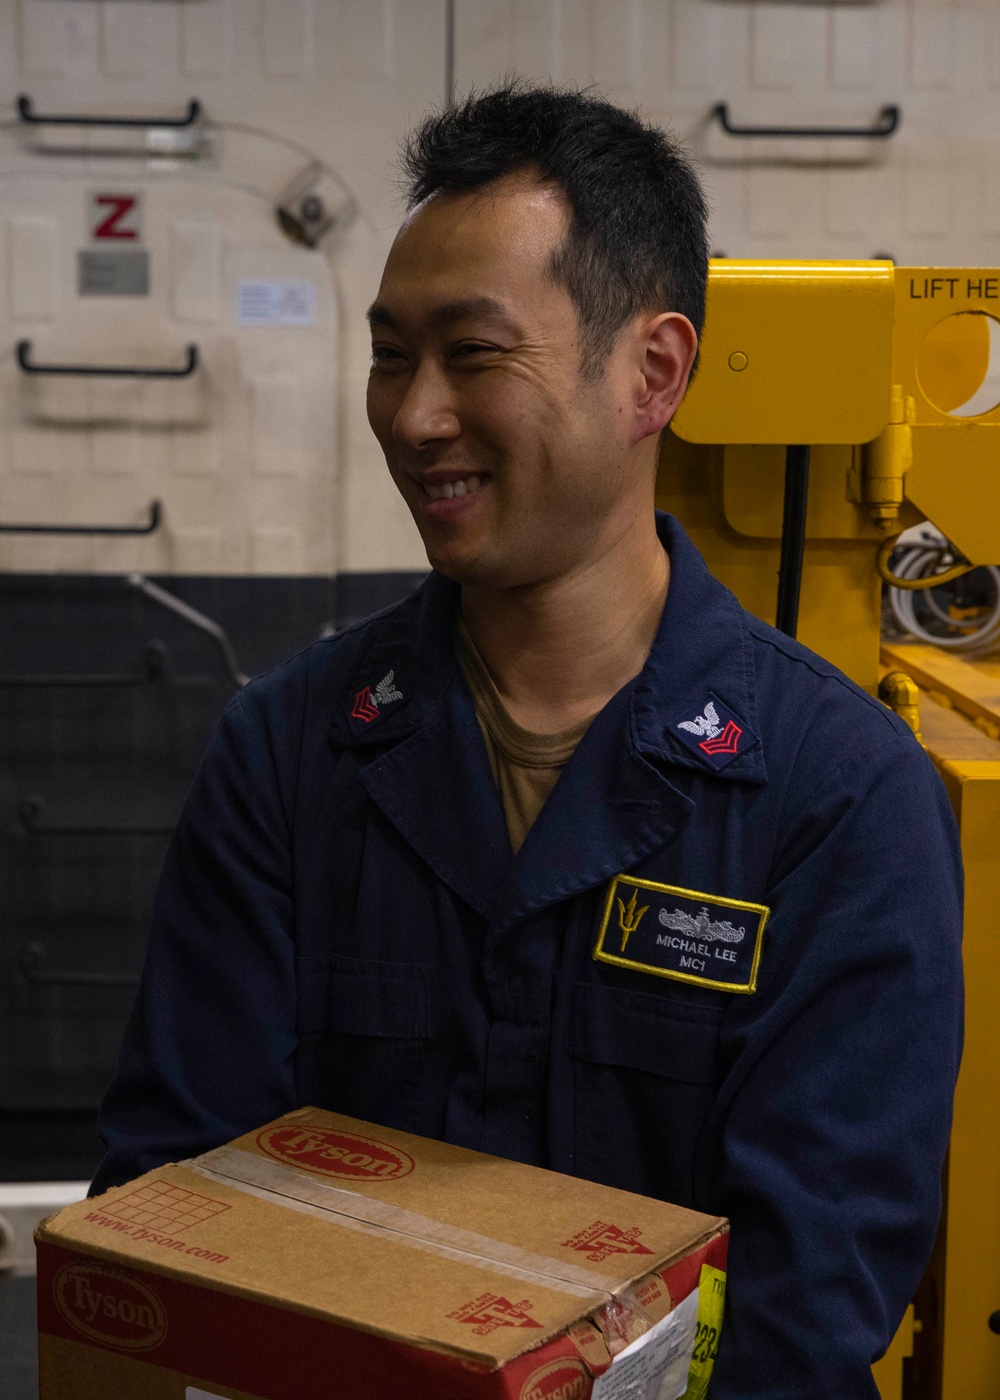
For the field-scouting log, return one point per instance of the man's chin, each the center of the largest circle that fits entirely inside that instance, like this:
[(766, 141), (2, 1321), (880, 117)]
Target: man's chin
[(456, 554), (477, 560), (465, 569), (485, 571)]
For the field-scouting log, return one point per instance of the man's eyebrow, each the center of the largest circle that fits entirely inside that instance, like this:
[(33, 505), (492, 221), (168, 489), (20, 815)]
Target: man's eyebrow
[(445, 315), (379, 315), (464, 310)]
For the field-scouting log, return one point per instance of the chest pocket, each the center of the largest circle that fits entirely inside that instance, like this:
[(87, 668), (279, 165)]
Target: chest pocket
[(645, 1074), (368, 1025)]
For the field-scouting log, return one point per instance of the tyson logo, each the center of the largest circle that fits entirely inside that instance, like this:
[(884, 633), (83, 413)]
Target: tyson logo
[(564, 1379), (333, 1153), (111, 1306)]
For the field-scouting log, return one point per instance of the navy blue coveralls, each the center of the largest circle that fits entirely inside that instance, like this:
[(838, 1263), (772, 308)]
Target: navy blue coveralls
[(341, 922)]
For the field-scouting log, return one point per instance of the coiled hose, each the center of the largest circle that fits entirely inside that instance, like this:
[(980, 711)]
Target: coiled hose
[(959, 613)]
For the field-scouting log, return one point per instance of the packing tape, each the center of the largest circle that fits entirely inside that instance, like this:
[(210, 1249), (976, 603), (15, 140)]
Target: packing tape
[(296, 1190)]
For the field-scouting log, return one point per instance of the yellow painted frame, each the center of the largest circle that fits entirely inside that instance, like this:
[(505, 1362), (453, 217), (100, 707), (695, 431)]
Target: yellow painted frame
[(793, 352), (744, 989)]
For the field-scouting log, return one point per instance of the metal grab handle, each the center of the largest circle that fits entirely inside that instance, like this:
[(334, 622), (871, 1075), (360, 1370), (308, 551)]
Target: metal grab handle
[(30, 810), (32, 955), (888, 122), (23, 353), (155, 515), (28, 114), (192, 616), (151, 669)]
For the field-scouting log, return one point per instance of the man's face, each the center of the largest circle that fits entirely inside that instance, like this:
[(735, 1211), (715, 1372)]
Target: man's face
[(513, 464)]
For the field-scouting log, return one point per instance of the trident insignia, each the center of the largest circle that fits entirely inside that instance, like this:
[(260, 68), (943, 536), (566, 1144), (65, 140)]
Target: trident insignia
[(629, 917)]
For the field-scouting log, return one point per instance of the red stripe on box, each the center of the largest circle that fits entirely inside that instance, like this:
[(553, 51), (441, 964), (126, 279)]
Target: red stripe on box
[(265, 1349), (681, 1277), (262, 1348)]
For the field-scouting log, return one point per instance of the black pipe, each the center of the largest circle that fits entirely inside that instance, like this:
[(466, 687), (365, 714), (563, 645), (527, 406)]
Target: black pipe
[(793, 538)]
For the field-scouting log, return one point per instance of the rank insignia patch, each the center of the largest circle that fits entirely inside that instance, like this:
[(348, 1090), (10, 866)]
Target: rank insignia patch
[(717, 734), (368, 702), (683, 934)]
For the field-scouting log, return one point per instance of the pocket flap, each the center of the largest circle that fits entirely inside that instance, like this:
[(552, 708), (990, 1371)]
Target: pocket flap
[(359, 996), (639, 1030)]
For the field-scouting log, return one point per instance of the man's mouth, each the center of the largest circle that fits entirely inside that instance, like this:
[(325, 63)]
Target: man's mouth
[(445, 490)]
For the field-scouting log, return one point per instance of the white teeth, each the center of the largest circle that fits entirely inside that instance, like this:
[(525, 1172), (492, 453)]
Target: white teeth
[(467, 487)]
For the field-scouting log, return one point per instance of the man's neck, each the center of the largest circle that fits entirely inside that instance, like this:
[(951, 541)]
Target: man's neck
[(559, 650)]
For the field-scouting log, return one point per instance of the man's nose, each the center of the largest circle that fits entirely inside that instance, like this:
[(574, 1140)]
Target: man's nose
[(427, 413)]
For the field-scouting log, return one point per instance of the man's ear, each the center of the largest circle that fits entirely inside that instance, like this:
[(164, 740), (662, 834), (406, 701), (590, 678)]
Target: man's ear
[(666, 346)]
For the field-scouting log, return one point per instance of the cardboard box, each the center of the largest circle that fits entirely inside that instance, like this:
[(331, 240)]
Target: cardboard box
[(326, 1257)]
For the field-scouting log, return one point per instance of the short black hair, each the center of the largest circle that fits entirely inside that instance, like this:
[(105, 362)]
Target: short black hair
[(637, 240)]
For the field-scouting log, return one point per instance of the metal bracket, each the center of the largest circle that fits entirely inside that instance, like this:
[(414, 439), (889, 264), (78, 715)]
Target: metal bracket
[(29, 964), (155, 515), (27, 113), (312, 204), (151, 668), (30, 810), (23, 354), (889, 119)]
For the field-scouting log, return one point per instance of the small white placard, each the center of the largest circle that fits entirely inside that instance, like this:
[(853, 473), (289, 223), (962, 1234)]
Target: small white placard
[(656, 1366), (276, 303), (193, 1393)]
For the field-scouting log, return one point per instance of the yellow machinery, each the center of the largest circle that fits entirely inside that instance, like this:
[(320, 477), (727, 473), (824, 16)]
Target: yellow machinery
[(835, 405)]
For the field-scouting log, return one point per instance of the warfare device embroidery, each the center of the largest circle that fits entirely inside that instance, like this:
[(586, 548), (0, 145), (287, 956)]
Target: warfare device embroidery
[(692, 937), (718, 738), (702, 926), (628, 919), (367, 703)]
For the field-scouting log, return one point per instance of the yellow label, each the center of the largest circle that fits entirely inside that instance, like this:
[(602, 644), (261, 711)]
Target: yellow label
[(711, 1305)]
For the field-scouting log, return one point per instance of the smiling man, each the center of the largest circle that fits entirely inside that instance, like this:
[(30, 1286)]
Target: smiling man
[(567, 857)]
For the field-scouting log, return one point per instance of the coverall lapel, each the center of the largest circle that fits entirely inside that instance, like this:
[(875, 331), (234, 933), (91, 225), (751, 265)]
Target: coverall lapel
[(429, 773), (610, 808), (614, 803), (438, 791)]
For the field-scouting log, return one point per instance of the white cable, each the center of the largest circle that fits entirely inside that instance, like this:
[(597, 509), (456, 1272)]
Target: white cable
[(922, 559)]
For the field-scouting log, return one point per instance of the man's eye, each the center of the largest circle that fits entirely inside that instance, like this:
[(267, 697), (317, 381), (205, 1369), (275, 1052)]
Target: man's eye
[(386, 355), (472, 347)]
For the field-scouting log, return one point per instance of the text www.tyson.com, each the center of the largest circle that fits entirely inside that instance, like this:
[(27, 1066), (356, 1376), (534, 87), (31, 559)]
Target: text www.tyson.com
[(139, 1232)]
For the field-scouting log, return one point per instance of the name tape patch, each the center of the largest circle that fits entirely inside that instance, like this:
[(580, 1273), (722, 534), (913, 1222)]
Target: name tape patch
[(686, 935)]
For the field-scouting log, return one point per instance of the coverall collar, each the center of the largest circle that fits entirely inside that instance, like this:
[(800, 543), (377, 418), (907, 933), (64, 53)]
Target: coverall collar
[(614, 802), (701, 653)]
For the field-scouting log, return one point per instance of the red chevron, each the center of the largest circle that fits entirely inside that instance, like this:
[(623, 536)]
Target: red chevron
[(363, 707), (726, 742)]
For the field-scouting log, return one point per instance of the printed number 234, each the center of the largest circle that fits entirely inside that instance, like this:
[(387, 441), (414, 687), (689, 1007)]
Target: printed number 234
[(706, 1343)]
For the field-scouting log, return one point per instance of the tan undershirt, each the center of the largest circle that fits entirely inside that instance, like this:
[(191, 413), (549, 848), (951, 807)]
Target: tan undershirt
[(525, 765)]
